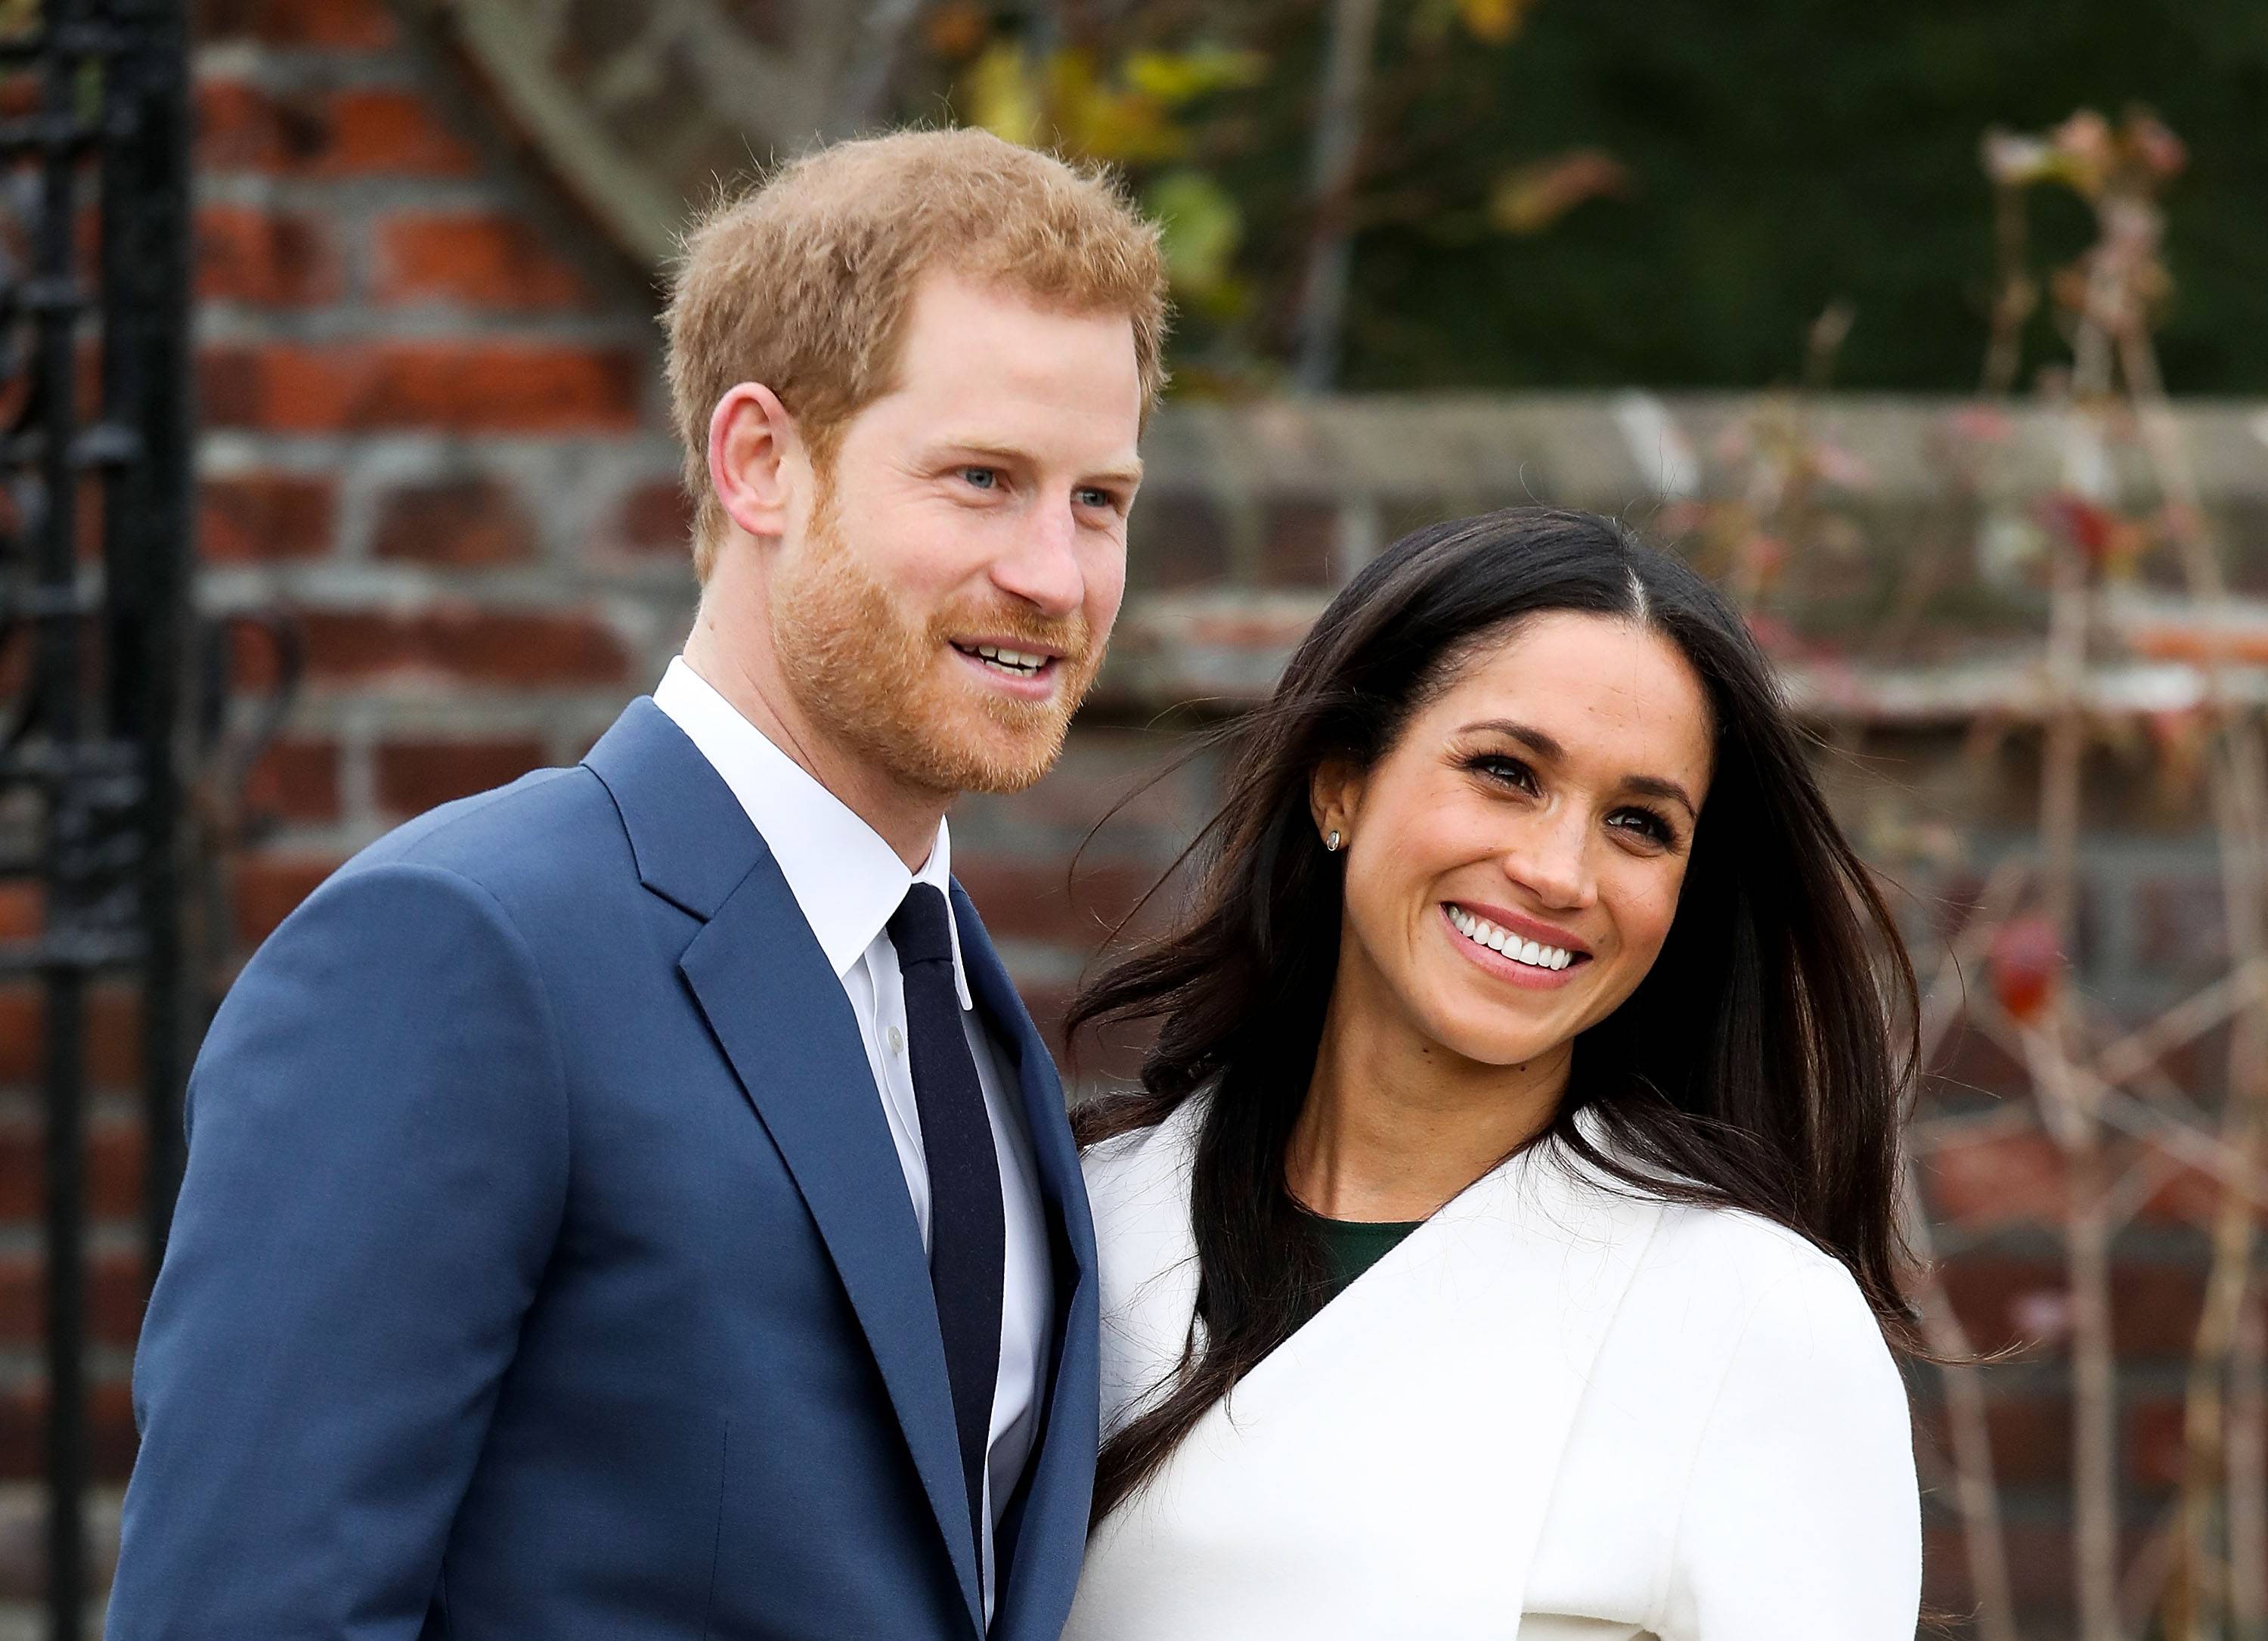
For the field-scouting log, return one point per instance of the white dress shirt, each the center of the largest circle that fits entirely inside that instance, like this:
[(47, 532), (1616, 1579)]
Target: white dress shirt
[(848, 883)]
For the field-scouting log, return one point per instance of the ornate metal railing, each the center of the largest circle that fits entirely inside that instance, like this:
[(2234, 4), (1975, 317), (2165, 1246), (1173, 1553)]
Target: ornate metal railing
[(95, 621)]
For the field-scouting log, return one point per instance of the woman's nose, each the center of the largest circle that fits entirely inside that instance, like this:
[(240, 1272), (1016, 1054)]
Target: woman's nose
[(1553, 863)]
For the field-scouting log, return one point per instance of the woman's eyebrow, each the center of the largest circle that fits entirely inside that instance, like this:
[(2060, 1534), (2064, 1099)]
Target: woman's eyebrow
[(1656, 786), (1534, 740), (1545, 747)]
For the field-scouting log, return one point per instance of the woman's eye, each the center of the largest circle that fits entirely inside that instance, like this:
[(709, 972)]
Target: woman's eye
[(1510, 770), (1652, 827)]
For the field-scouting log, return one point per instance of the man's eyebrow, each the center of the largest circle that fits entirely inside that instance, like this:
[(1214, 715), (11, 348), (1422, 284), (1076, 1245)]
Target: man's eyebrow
[(1545, 747)]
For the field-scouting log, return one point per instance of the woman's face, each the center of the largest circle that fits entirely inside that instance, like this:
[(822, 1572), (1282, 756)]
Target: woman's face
[(1513, 863)]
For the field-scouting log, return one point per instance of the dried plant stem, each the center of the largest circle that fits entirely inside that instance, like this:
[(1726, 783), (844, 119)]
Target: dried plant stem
[(2094, 1398), (1975, 1492), (2141, 1591), (2248, 1477), (1335, 159), (2212, 1496), (1975, 1489), (2204, 1570), (2072, 1121), (2206, 1429), (2015, 298)]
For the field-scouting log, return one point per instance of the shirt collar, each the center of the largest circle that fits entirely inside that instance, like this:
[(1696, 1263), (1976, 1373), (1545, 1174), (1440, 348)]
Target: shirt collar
[(847, 881)]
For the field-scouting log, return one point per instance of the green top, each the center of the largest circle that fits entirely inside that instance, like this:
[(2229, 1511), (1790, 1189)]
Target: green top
[(1353, 1245)]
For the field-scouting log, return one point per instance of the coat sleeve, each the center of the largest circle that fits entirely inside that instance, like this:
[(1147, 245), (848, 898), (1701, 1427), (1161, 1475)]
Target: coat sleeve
[(1802, 1517), (376, 1171)]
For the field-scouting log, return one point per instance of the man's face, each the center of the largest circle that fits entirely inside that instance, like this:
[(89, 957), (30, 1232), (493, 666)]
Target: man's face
[(943, 608)]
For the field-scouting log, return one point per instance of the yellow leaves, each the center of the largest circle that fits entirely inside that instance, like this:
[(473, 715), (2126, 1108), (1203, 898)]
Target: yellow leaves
[(1529, 198), (1491, 22), (1098, 120), (1065, 100), (1130, 116), (1200, 228), (1494, 21), (1176, 79), (1001, 94)]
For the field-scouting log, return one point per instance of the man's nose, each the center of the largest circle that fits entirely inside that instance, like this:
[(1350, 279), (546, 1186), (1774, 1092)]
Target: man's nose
[(1042, 566)]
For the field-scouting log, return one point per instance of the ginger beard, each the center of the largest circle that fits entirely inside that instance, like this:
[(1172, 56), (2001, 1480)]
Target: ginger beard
[(892, 689)]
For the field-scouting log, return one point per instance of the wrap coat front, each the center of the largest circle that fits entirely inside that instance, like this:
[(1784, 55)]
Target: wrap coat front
[(1559, 1411)]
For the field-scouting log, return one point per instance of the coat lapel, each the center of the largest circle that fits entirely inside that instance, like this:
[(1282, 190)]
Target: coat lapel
[(1040, 1543), (781, 1016), (1417, 1423)]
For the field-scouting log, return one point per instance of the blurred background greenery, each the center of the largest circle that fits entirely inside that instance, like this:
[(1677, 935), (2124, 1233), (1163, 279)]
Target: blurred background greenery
[(1550, 194)]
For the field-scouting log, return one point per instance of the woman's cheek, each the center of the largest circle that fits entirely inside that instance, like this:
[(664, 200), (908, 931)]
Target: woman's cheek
[(1659, 910)]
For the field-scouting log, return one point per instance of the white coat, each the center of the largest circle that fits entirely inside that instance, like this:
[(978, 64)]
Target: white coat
[(1556, 1412)]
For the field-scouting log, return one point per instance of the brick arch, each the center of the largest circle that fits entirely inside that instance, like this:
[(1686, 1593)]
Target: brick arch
[(637, 110)]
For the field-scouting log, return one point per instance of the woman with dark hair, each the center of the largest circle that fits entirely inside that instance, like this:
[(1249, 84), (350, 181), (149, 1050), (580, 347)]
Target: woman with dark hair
[(1501, 1243)]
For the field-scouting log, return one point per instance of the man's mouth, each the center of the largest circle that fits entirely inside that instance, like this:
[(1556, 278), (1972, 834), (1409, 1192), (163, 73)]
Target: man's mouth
[(1014, 663)]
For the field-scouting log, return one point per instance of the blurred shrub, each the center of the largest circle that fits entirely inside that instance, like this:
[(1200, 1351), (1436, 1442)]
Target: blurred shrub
[(1763, 160)]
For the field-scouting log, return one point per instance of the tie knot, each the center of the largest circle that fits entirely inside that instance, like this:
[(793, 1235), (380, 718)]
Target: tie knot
[(920, 929)]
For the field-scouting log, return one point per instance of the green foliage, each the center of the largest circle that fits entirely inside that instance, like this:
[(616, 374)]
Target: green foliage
[(1201, 229), (1559, 194), (1784, 154), (1198, 106)]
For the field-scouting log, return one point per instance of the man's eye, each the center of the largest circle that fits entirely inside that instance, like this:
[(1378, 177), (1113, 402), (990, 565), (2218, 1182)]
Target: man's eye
[(982, 477), (1090, 497)]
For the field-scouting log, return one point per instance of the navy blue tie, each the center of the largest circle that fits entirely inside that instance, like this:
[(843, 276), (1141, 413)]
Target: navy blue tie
[(968, 1238)]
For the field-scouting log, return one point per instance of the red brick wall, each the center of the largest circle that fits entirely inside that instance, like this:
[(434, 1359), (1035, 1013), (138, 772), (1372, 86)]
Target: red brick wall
[(434, 440)]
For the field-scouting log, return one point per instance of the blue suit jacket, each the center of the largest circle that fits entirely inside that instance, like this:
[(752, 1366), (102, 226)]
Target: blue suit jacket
[(544, 1267)]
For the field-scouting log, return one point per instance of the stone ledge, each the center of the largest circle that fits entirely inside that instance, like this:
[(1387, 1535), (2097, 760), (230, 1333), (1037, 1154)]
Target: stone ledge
[(1615, 450), (1221, 650)]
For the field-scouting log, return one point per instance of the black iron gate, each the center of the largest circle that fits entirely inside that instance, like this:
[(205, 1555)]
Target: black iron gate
[(94, 608)]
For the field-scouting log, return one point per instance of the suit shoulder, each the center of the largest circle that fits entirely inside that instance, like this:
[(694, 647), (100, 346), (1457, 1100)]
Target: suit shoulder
[(549, 827), (535, 857)]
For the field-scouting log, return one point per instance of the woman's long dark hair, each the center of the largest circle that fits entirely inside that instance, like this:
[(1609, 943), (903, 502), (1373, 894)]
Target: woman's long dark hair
[(1761, 1064)]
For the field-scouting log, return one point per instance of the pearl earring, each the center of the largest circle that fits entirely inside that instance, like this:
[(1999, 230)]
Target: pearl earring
[(1331, 843)]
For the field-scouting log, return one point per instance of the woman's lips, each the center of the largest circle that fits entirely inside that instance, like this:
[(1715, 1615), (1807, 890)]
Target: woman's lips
[(1511, 970)]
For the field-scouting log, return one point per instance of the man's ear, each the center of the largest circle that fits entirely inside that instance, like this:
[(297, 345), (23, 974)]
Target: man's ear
[(753, 450), (1334, 795)]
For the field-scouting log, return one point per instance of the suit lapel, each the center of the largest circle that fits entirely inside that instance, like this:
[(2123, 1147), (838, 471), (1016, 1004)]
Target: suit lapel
[(1040, 1540), (780, 1014)]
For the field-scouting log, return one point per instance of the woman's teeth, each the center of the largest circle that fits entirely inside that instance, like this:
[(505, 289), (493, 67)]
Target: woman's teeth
[(1013, 661), (1481, 931)]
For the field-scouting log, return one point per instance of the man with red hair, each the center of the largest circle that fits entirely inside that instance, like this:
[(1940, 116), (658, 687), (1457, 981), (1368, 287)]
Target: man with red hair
[(634, 1204)]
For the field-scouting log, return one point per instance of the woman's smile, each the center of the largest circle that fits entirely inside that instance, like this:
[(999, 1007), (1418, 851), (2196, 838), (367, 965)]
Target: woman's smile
[(1500, 952)]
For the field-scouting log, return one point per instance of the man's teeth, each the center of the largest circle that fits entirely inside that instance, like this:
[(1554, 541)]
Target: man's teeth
[(1481, 931), (1011, 660)]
